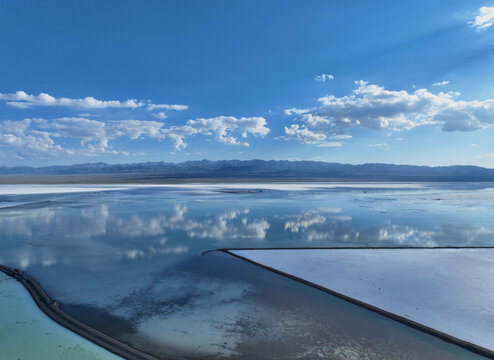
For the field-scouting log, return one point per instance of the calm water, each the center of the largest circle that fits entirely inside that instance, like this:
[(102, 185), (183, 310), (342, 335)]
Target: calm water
[(27, 333), (128, 262)]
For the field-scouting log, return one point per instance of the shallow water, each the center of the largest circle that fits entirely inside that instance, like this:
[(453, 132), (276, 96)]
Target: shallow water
[(27, 333), (128, 262)]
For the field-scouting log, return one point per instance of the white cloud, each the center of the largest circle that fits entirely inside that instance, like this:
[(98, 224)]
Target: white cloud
[(375, 108), (31, 144), (66, 127), (22, 100), (223, 126), (486, 156), (331, 144), (485, 19), (382, 146), (161, 115), (324, 77), (167, 107), (296, 111), (94, 136), (379, 145), (14, 127), (87, 115), (441, 83), (303, 134), (19, 141), (341, 137), (135, 129), (370, 106), (48, 137)]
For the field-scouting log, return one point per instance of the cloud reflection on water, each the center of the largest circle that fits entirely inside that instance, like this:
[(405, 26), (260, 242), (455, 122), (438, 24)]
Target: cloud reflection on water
[(135, 257), (55, 234)]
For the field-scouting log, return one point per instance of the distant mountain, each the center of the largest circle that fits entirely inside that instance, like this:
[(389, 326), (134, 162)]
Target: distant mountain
[(261, 169)]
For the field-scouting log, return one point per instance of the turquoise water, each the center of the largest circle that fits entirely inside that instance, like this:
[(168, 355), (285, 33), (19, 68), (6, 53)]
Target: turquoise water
[(27, 333), (128, 263)]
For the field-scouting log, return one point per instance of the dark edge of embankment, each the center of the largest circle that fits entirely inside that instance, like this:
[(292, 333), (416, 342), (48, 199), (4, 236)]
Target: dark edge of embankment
[(441, 335), (52, 310)]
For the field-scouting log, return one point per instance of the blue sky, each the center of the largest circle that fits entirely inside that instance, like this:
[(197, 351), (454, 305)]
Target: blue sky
[(339, 81)]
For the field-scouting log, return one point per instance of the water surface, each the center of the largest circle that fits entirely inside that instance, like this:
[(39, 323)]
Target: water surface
[(128, 263), (27, 333)]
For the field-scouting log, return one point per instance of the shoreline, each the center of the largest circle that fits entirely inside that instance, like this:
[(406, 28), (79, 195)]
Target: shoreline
[(52, 309), (144, 178)]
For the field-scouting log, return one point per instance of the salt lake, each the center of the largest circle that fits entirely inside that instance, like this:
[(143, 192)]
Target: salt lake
[(127, 261)]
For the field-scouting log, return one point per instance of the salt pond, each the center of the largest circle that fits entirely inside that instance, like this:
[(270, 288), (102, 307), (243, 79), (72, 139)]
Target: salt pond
[(128, 262), (449, 290)]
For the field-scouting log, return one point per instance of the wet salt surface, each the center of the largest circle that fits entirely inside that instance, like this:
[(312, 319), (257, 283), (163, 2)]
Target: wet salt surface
[(451, 291), (128, 262), (54, 189), (66, 189)]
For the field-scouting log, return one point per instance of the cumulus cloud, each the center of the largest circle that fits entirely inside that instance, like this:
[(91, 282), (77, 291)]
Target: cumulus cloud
[(161, 115), (324, 77), (222, 126), (484, 19), (303, 134), (95, 135), (22, 100), (134, 129), (46, 137), (295, 111), (18, 140), (33, 143), (441, 83), (82, 128), (374, 107)]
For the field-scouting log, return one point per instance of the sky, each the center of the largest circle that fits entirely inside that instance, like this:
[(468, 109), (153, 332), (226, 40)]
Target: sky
[(408, 82)]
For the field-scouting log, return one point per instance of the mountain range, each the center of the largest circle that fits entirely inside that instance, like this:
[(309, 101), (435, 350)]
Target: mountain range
[(261, 169)]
